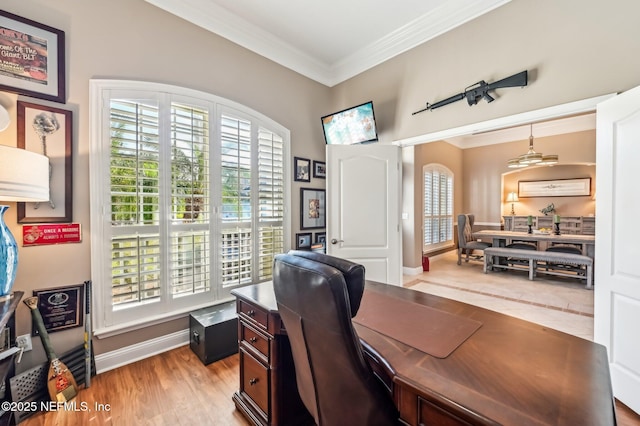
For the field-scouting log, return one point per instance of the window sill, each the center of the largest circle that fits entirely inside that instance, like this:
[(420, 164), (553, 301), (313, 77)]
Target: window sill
[(106, 332)]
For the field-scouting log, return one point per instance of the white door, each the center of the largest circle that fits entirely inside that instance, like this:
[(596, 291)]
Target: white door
[(364, 202), (617, 258)]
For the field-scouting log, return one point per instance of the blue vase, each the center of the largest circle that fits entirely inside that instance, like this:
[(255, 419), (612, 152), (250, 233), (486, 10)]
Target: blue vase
[(8, 256)]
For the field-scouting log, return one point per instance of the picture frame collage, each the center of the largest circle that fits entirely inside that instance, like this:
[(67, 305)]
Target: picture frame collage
[(312, 204), (34, 65)]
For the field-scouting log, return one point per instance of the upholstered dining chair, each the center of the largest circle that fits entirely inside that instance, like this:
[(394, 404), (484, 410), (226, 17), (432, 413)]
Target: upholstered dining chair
[(466, 243), (566, 248), (335, 382)]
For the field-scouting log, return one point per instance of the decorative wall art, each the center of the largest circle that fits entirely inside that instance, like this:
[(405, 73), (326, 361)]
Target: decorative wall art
[(32, 58), (555, 188), (48, 131), (303, 240), (301, 169), (312, 208), (319, 169), (320, 237)]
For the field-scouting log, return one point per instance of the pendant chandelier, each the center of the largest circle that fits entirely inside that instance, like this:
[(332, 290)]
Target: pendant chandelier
[(531, 157)]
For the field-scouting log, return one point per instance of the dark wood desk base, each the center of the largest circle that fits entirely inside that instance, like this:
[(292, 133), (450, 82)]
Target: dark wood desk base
[(509, 372), (268, 393)]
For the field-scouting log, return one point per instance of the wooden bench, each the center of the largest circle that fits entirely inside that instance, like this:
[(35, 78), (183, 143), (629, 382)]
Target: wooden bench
[(535, 256)]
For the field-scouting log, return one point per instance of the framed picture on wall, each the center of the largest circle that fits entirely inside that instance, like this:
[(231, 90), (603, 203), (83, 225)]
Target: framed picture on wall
[(320, 237), (301, 169), (61, 308), (312, 208), (47, 131), (32, 61), (303, 240), (319, 169)]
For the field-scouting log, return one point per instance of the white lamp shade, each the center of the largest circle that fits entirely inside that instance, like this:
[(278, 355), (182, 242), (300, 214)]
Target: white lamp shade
[(512, 197), (24, 175)]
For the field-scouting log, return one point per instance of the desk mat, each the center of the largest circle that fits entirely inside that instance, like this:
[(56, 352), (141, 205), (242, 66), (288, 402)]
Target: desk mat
[(429, 330)]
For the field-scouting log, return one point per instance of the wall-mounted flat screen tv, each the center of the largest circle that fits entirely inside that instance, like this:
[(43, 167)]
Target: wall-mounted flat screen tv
[(350, 126)]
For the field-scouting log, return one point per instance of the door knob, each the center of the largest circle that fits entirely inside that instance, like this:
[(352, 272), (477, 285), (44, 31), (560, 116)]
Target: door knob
[(334, 241)]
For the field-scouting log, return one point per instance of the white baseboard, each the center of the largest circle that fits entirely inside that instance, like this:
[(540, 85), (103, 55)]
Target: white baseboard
[(127, 355), (406, 270)]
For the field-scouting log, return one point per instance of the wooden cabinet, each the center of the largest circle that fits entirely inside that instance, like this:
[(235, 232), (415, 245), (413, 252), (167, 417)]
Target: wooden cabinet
[(268, 394), (574, 225)]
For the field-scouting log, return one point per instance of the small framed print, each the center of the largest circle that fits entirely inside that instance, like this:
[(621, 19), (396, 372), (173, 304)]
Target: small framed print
[(320, 237), (301, 169), (319, 169), (312, 208), (48, 131), (33, 60), (303, 241)]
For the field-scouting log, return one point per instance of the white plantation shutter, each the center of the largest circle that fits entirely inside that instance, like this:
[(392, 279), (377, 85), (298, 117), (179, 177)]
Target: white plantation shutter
[(135, 211), (270, 200), (194, 200), (236, 250), (438, 207), (189, 264)]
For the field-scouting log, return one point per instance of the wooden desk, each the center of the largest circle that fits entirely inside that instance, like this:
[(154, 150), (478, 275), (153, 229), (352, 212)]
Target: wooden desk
[(509, 372), (500, 239)]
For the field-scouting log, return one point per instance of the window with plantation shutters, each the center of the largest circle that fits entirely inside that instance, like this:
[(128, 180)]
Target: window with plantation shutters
[(188, 200), (438, 207)]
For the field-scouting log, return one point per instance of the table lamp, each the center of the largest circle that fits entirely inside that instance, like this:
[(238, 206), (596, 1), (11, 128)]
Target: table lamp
[(512, 198), (24, 176)]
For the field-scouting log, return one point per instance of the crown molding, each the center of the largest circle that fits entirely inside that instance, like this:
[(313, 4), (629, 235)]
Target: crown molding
[(446, 17), (218, 20)]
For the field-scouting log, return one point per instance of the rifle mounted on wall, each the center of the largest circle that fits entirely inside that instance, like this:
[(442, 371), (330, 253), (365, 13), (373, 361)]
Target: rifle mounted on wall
[(480, 90)]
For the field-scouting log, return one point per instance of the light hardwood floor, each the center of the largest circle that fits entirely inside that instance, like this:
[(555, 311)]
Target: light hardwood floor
[(175, 388)]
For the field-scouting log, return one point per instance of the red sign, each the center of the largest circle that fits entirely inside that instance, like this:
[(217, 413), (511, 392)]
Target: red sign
[(51, 234)]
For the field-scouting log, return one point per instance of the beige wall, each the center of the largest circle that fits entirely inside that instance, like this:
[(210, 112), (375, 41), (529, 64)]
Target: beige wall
[(131, 39), (573, 52), (484, 166), (564, 206)]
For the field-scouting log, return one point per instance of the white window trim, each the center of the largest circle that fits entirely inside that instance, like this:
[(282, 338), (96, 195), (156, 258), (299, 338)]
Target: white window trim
[(444, 244), (99, 166)]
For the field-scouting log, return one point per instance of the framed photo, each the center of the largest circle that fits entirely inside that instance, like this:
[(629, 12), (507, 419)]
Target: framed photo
[(303, 241), (312, 208), (61, 308), (32, 61), (319, 169), (555, 188), (301, 169), (48, 131), (320, 237)]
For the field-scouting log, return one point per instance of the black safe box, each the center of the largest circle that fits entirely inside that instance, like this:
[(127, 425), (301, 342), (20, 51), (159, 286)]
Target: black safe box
[(214, 332)]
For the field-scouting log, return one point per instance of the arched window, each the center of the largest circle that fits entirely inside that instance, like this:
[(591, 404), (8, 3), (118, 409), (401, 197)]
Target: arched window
[(438, 207), (188, 196)]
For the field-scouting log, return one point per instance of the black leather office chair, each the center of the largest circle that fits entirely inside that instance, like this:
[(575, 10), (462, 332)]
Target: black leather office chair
[(335, 382)]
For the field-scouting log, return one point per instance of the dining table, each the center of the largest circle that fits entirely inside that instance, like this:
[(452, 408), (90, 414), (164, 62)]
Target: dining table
[(543, 240)]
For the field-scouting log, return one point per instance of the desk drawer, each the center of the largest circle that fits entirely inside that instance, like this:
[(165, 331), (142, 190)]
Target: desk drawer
[(431, 414), (255, 381), (255, 340), (255, 314)]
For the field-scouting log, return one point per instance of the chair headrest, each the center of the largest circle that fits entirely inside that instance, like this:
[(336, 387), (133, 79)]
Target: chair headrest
[(354, 274)]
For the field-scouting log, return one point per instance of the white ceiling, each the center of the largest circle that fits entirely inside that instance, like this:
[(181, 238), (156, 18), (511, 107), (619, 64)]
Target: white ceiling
[(328, 41)]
